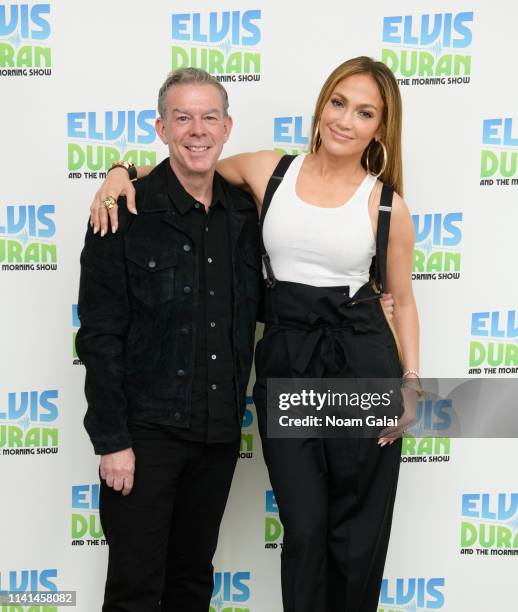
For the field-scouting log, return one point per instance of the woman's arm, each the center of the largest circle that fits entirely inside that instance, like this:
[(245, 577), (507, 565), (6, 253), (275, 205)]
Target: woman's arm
[(117, 183), (249, 171), (399, 282), (405, 319)]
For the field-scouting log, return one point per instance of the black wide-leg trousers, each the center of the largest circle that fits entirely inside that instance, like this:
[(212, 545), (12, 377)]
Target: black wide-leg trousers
[(335, 496), (163, 535), (335, 500)]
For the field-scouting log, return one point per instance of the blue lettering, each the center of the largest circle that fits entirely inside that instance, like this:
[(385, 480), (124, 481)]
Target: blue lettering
[(75, 128), (146, 122), (508, 129), (478, 324), (449, 226), (281, 129), (490, 131), (253, 29), (180, 26), (242, 591), (408, 39), (37, 12), (467, 35), (79, 497), (391, 29), (271, 504), (197, 36), (248, 418)]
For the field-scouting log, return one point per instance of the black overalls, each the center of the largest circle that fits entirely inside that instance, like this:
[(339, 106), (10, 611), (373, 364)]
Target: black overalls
[(335, 496)]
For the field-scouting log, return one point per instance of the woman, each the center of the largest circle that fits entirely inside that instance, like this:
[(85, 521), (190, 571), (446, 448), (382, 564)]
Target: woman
[(321, 224)]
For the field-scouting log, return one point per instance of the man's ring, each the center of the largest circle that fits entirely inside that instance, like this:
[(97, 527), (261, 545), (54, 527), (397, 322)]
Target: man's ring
[(109, 202)]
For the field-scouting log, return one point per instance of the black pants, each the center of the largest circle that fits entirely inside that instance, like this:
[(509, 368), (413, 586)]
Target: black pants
[(335, 496), (335, 500), (163, 535)]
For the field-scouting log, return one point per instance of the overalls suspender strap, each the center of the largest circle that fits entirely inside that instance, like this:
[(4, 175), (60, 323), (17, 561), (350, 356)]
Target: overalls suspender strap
[(271, 188), (382, 234)]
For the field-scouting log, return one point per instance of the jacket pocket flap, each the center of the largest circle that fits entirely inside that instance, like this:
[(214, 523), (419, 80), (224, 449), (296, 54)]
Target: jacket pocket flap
[(153, 261)]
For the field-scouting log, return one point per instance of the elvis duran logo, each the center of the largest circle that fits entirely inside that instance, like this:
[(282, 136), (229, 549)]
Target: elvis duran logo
[(489, 524), (23, 30), (493, 348), (27, 422), (231, 592), (411, 594), (499, 157), (26, 237), (436, 251), (95, 140), (246, 449), (291, 135), (428, 49), (273, 530), (224, 43), (85, 522), (432, 415)]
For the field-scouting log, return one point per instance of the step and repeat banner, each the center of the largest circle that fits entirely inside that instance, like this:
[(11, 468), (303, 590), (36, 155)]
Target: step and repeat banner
[(79, 83)]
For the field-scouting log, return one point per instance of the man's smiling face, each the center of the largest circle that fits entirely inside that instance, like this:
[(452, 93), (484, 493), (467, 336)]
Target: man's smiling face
[(195, 127)]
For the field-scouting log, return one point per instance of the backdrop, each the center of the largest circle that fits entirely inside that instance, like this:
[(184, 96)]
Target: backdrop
[(79, 82)]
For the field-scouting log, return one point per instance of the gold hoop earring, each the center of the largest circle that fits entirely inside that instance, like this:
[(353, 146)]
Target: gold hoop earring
[(385, 159), (316, 136)]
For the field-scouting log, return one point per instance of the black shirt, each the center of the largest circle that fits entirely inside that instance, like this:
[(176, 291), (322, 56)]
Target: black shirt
[(214, 413)]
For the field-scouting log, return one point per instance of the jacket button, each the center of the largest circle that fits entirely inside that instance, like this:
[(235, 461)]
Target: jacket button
[(151, 264), (186, 247), (180, 372), (187, 289), (177, 416), (214, 387)]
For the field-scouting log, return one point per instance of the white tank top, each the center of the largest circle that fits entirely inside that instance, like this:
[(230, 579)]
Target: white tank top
[(323, 247)]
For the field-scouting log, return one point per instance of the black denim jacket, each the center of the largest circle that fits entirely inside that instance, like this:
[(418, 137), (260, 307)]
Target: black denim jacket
[(137, 304)]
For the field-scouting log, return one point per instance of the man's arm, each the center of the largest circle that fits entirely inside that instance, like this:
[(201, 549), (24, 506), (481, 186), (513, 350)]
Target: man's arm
[(104, 312)]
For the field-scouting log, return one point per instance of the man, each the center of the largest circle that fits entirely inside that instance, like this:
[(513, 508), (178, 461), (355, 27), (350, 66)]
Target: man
[(168, 306)]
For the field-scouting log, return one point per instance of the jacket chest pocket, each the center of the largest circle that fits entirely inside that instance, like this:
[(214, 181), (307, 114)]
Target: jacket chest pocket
[(152, 276)]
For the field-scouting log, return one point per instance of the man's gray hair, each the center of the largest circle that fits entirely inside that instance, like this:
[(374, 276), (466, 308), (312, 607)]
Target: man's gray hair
[(184, 76)]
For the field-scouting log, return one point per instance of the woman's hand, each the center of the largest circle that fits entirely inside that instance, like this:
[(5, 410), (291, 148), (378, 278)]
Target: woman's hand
[(387, 303), (410, 399), (117, 183)]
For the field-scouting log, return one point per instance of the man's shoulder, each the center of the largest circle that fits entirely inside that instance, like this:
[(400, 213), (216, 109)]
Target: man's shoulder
[(237, 197)]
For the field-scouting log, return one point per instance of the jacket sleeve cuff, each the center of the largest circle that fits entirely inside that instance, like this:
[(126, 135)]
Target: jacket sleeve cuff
[(111, 444)]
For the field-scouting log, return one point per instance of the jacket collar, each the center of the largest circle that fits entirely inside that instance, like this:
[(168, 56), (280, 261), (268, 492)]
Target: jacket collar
[(161, 189)]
